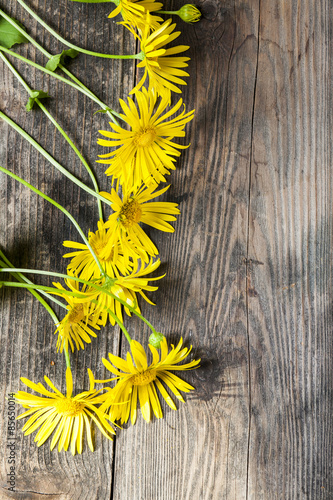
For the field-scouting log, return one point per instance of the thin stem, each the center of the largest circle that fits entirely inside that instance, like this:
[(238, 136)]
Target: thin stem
[(60, 66), (167, 12), (51, 73), (13, 70), (26, 35), (22, 279), (65, 42), (60, 207), (56, 124), (93, 285), (71, 143), (67, 358), (56, 275), (51, 159), (110, 112), (32, 286)]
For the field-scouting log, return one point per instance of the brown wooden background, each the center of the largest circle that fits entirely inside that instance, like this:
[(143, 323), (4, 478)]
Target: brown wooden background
[(249, 268)]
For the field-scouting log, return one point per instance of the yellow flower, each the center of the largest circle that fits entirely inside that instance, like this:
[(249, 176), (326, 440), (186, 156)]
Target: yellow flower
[(138, 380), (124, 288), (75, 326), (114, 260), (133, 209), (134, 11), (65, 414), (146, 152), (159, 63)]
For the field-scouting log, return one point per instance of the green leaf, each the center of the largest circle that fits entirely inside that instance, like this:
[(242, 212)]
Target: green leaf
[(103, 110), (9, 35), (35, 94), (57, 59)]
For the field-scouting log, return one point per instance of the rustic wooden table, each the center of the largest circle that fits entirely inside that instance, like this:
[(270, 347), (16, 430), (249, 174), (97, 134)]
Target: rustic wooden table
[(249, 268)]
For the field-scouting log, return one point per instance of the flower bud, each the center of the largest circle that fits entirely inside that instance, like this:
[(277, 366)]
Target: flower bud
[(155, 339), (189, 13)]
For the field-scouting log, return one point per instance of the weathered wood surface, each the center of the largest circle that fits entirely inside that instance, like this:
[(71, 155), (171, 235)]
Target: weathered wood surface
[(249, 267)]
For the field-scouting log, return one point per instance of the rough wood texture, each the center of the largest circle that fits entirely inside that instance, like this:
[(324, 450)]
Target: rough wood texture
[(249, 267)]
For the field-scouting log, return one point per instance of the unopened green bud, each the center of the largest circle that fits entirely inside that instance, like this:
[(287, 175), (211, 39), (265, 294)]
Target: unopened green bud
[(189, 13), (155, 339)]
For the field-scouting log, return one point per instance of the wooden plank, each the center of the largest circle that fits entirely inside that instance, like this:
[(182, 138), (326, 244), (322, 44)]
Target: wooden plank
[(290, 233), (32, 232), (200, 452), (248, 269)]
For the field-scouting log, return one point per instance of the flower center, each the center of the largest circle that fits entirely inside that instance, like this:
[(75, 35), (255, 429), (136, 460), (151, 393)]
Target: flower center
[(69, 407), (99, 247), (144, 378), (130, 213), (76, 314), (145, 137)]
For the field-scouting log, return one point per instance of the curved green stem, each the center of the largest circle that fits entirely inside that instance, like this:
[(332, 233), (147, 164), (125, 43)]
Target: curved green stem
[(110, 112), (56, 124), (60, 207), (56, 275), (51, 73), (65, 42), (81, 158), (22, 279), (89, 283), (63, 69), (51, 159), (32, 286), (19, 276)]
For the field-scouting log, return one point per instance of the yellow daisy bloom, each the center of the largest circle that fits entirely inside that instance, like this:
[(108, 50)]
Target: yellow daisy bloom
[(137, 379), (68, 416), (74, 328), (146, 152), (160, 65), (125, 288), (136, 208), (134, 11), (114, 260)]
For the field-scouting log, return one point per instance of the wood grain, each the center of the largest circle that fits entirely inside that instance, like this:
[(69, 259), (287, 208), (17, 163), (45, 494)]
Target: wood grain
[(249, 268)]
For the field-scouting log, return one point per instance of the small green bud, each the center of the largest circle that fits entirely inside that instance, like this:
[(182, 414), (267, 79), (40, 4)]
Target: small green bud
[(189, 13), (155, 339)]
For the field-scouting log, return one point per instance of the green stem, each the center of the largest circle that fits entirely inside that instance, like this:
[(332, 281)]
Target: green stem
[(51, 73), (56, 275), (71, 143), (110, 112), (60, 66), (174, 12), (32, 286), (89, 283), (22, 279), (51, 159), (67, 358), (60, 207), (13, 70), (65, 42), (56, 124)]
